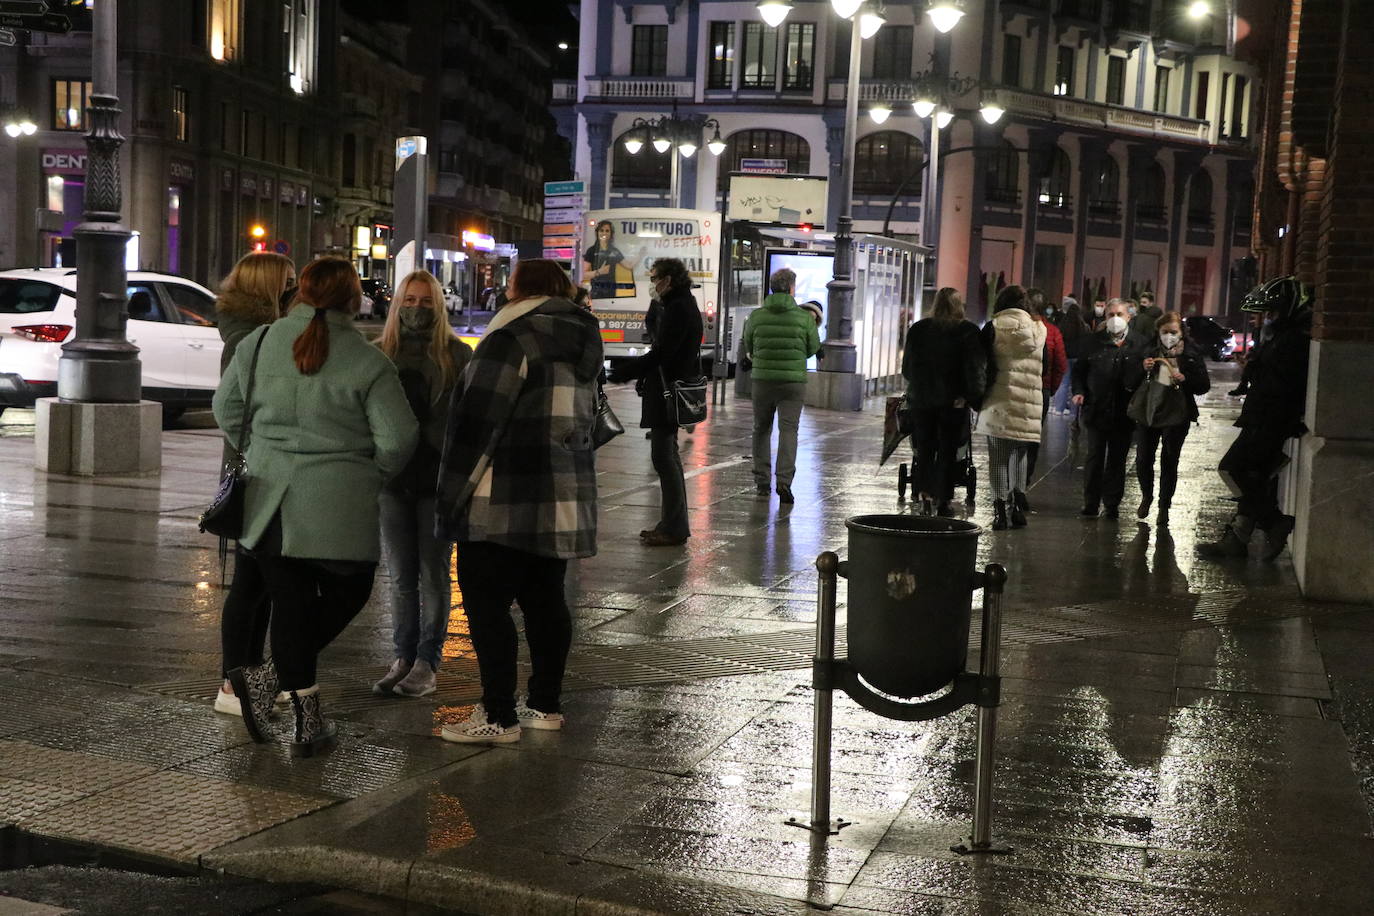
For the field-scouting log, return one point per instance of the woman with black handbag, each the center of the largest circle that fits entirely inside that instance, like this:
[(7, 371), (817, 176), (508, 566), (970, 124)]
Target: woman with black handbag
[(250, 297), (674, 356), (327, 422), (1178, 373)]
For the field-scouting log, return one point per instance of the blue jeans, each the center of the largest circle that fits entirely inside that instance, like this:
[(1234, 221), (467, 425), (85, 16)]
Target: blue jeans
[(419, 566)]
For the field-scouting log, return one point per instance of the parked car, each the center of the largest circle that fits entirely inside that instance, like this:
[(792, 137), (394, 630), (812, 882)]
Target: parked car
[(1213, 337), (172, 321)]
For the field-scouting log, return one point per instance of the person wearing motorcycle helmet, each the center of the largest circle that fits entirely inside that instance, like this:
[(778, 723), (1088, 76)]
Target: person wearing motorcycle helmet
[(1272, 414)]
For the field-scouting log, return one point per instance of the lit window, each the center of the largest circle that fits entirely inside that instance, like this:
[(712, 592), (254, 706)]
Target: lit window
[(69, 101)]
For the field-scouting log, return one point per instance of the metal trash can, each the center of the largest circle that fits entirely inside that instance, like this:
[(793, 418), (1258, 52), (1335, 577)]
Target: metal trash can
[(911, 582)]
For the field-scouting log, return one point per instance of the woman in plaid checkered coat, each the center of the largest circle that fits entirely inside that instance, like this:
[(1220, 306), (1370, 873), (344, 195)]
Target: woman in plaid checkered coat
[(517, 491)]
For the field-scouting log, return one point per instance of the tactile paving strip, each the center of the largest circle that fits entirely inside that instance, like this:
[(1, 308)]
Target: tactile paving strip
[(172, 815)]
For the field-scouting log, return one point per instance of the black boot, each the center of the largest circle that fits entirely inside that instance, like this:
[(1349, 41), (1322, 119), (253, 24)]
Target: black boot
[(313, 731), (1143, 510), (1018, 509), (1234, 542), (1276, 537), (256, 688), (999, 515)]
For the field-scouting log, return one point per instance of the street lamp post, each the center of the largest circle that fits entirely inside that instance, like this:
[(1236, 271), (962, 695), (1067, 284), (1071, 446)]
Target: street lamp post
[(99, 365), (677, 136)]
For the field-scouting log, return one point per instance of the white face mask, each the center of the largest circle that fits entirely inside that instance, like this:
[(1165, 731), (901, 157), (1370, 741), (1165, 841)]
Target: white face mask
[(1099, 310), (1116, 326), (1169, 340)]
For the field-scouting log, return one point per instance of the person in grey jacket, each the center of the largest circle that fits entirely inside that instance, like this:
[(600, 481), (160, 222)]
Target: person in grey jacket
[(328, 423), (430, 359), (249, 298)]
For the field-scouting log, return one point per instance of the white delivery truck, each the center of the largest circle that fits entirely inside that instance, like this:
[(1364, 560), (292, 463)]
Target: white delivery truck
[(619, 247)]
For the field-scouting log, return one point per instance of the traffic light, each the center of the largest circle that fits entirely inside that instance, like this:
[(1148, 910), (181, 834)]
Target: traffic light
[(258, 233)]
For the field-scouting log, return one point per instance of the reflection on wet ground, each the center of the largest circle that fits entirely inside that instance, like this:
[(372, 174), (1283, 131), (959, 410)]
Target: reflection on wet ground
[(1177, 736)]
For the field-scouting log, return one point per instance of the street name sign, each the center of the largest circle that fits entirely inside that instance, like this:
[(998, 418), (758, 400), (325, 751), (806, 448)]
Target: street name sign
[(47, 22), (24, 7), (554, 188)]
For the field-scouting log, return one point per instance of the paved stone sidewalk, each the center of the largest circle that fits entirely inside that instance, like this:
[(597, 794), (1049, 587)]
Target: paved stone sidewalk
[(1177, 736)]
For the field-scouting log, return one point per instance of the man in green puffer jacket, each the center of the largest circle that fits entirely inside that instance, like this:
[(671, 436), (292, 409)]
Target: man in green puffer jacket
[(779, 337)]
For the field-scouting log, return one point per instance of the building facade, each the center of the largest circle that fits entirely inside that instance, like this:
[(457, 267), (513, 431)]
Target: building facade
[(228, 112), (1316, 191), (485, 107), (1123, 160)]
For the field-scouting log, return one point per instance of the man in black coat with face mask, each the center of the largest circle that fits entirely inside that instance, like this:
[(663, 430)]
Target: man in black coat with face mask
[(1103, 378), (1273, 411)]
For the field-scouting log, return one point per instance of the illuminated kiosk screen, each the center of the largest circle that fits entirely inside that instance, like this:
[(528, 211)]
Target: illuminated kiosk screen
[(814, 269)]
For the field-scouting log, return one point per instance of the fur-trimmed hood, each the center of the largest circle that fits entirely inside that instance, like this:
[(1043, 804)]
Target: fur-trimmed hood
[(246, 308)]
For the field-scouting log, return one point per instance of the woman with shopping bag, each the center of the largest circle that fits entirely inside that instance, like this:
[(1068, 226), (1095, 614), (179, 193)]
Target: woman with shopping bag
[(1173, 374)]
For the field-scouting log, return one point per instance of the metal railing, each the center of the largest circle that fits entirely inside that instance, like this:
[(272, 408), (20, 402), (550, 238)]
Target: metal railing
[(1098, 114), (564, 91), (640, 87)]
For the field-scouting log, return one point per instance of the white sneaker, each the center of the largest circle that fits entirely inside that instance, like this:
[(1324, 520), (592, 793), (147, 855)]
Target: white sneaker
[(420, 682), (477, 730), (533, 718), (228, 704)]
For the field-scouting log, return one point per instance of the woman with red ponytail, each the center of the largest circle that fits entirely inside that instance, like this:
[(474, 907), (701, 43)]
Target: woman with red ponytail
[(328, 423)]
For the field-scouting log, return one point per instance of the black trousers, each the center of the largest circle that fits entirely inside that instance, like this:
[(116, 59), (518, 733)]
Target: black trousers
[(1104, 469), (247, 609), (667, 463), (1253, 462), (1034, 451), (937, 437), (491, 576), (1147, 440), (311, 606)]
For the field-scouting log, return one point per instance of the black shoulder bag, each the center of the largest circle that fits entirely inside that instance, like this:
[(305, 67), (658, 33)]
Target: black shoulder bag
[(224, 517), (685, 399)]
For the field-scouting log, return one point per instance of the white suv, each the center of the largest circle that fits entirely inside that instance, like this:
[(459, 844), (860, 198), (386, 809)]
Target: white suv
[(171, 320)]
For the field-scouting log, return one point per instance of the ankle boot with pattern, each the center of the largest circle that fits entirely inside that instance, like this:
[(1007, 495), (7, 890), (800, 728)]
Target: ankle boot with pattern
[(313, 731), (256, 688), (999, 515)]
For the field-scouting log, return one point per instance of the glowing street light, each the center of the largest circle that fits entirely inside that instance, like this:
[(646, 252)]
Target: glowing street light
[(870, 22), (923, 107), (945, 14), (943, 118), (774, 12), (879, 112), (1199, 9), (846, 9), (992, 112)]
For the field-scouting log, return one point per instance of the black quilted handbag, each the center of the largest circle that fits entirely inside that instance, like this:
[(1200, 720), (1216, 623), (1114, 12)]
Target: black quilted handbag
[(606, 425), (224, 516)]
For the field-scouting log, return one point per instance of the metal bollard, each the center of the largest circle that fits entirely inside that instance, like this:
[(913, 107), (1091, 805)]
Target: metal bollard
[(822, 682), (990, 666)]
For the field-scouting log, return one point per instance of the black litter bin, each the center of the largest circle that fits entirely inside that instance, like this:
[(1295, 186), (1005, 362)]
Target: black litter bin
[(910, 597)]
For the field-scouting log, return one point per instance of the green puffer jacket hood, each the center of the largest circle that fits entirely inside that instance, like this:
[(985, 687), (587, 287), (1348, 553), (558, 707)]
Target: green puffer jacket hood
[(779, 337)]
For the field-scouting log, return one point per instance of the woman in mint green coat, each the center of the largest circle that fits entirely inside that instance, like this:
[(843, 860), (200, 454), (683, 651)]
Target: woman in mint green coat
[(328, 424)]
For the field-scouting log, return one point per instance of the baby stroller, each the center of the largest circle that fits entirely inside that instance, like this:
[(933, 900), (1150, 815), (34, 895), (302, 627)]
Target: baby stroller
[(965, 474)]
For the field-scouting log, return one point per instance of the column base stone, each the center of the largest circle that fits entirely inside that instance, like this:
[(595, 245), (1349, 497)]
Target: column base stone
[(98, 440)]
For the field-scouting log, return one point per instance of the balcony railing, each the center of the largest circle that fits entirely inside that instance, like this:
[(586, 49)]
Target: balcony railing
[(640, 87), (565, 90), (1069, 110), (874, 90)]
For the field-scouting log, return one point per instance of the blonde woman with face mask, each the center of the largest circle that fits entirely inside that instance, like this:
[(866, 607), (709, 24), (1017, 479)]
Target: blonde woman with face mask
[(430, 360)]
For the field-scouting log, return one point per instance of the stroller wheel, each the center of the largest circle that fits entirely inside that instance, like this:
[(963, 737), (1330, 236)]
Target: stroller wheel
[(902, 479)]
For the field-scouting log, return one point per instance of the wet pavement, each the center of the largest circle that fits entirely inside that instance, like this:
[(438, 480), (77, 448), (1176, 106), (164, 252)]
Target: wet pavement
[(1177, 735)]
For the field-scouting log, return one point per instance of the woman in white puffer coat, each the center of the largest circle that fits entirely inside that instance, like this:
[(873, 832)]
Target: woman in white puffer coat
[(1010, 418)]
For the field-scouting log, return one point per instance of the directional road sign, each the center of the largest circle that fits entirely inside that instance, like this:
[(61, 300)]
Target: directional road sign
[(7, 39), (47, 22), (24, 7)]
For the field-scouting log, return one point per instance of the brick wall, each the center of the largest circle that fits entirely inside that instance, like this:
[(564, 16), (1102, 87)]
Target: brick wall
[(1345, 250)]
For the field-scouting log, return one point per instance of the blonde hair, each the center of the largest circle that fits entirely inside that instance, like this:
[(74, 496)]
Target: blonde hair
[(261, 275), (442, 334)]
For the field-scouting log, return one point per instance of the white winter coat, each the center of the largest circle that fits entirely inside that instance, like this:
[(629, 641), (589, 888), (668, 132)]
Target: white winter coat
[(1011, 409)]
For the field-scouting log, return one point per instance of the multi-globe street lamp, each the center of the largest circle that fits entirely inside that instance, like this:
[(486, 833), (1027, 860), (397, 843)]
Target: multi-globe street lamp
[(867, 18), (20, 126), (669, 131)]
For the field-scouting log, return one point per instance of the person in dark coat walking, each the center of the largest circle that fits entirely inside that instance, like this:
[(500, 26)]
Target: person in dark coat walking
[(1271, 415), (674, 355), (945, 367), (1102, 382), (1171, 351), (249, 298)]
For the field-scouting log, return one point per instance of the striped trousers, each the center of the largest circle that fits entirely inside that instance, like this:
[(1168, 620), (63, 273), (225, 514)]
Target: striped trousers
[(1007, 463)]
